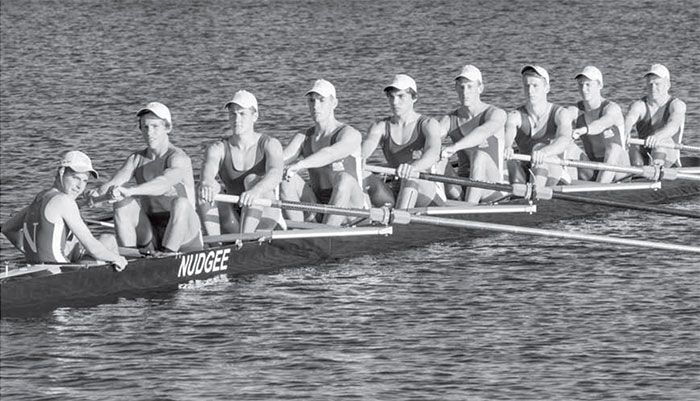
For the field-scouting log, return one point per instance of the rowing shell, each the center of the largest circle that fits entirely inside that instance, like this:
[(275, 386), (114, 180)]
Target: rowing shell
[(39, 288)]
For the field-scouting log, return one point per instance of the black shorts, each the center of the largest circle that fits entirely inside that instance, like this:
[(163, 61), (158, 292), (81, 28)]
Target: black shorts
[(324, 195), (159, 222)]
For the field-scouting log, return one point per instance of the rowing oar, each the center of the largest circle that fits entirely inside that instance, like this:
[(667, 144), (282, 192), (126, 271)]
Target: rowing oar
[(524, 191), (386, 215), (650, 172), (99, 223), (677, 146)]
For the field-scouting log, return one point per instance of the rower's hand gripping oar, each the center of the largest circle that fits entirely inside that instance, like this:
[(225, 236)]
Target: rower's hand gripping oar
[(677, 146), (386, 216), (531, 193), (654, 172), (518, 190)]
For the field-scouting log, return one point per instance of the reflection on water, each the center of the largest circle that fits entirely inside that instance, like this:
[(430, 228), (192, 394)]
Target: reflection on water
[(502, 317)]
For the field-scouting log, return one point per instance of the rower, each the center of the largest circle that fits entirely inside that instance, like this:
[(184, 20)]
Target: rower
[(600, 125), (51, 230), (250, 165), (330, 151), (477, 133), (539, 128), (157, 213), (410, 143), (658, 118)]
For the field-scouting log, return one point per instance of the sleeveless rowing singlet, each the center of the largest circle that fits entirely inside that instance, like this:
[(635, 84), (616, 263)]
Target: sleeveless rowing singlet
[(493, 144), (234, 179), (593, 145), (526, 139), (148, 169), (396, 154), (321, 178), (44, 241), (646, 128)]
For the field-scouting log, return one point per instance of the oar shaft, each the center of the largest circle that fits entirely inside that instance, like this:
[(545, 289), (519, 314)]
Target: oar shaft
[(397, 216), (677, 146), (626, 205), (99, 223), (518, 188), (651, 172), (466, 182), (550, 233), (300, 206)]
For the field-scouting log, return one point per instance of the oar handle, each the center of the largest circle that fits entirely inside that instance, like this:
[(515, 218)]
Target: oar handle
[(92, 201), (387, 170), (235, 199)]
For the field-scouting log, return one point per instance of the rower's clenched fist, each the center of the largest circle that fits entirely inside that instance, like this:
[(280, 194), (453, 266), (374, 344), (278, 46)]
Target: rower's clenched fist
[(208, 191), (404, 170)]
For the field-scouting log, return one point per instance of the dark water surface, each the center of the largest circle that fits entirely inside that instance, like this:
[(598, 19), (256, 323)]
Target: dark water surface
[(500, 318)]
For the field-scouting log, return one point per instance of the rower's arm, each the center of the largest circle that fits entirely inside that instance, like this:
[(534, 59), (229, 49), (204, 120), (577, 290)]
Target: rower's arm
[(495, 119), (181, 165), (273, 168), (213, 156), (122, 176), (12, 229), (563, 135), (612, 116), (431, 149), (349, 139), (513, 122), (208, 185), (293, 149), (634, 114), (67, 210), (372, 140), (675, 121)]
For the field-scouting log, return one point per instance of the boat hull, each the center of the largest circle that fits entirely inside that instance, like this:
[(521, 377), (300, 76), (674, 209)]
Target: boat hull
[(146, 276)]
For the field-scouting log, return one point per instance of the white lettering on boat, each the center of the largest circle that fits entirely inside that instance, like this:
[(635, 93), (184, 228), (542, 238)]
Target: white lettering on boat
[(207, 262)]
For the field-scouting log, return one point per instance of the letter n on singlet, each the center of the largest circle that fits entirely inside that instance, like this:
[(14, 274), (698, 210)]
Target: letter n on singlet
[(30, 238)]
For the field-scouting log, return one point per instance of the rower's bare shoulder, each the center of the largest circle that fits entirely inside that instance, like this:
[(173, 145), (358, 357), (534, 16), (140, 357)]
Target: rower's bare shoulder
[(563, 114), (612, 108), (214, 150), (637, 106), (62, 203), (497, 114), (431, 123), (376, 128), (180, 158), (677, 105), (272, 144), (572, 109), (514, 118), (349, 130), (444, 119), (217, 145)]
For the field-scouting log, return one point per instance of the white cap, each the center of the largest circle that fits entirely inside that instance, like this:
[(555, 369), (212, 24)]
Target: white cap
[(538, 70), (591, 73), (323, 88), (159, 109), (402, 82), (470, 72), (78, 162), (659, 70), (244, 99)]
